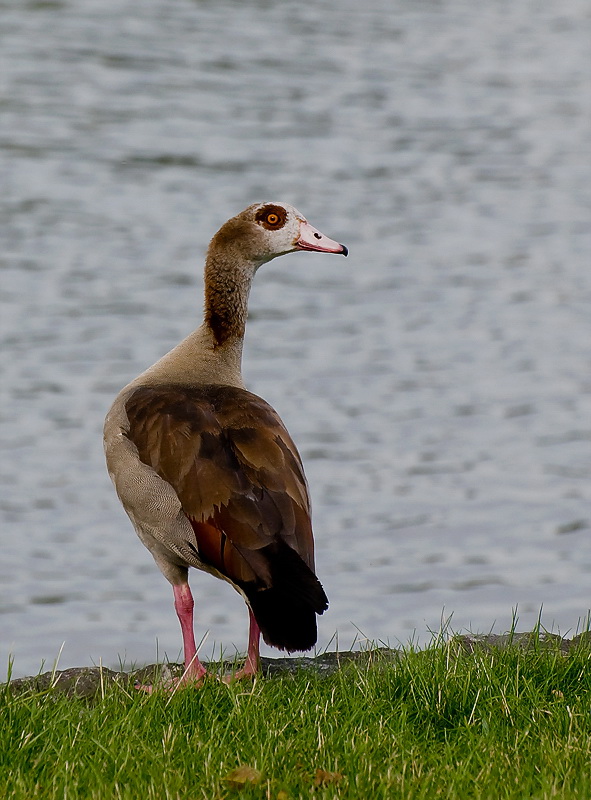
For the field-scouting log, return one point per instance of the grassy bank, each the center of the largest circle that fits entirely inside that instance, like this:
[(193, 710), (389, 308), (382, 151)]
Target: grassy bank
[(497, 723)]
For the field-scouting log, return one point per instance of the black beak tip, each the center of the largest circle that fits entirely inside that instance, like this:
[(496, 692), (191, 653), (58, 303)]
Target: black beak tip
[(345, 250)]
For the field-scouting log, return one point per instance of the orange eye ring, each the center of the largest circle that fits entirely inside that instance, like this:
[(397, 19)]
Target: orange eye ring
[(272, 219)]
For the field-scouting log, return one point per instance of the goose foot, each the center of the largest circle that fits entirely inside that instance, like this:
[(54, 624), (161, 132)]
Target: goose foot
[(192, 678)]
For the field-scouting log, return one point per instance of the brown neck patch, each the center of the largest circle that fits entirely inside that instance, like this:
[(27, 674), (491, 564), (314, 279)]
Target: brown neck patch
[(225, 307), (223, 327)]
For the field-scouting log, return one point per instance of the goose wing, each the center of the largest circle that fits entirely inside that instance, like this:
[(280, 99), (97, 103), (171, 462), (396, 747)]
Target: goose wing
[(236, 472)]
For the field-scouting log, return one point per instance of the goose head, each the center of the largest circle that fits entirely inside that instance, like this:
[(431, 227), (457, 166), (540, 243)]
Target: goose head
[(266, 230)]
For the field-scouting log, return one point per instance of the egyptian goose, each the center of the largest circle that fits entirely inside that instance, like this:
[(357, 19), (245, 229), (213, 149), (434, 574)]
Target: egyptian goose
[(206, 471)]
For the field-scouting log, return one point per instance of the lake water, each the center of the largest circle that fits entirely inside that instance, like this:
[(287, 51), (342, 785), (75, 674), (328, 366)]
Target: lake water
[(437, 383)]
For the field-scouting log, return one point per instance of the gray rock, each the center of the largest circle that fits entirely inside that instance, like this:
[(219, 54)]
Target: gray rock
[(87, 682), (91, 681), (524, 641), (73, 682)]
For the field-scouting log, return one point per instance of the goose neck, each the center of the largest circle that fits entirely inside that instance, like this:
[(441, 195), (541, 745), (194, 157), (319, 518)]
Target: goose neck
[(227, 288)]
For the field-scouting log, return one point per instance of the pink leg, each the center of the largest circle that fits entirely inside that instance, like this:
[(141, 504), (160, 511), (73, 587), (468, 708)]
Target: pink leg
[(194, 669), (183, 604), (253, 662)]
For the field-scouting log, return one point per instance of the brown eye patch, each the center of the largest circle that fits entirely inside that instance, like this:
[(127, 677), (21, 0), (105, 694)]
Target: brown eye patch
[(272, 217)]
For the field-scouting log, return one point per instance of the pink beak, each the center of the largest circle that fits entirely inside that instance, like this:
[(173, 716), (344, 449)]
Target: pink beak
[(312, 239)]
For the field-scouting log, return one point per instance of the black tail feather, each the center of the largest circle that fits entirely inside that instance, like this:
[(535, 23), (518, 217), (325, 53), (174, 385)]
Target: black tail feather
[(286, 611)]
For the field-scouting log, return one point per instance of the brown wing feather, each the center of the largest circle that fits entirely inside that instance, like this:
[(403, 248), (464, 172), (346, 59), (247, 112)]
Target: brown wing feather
[(235, 469)]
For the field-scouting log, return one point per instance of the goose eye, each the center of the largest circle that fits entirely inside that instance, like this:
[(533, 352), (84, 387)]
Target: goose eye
[(272, 217)]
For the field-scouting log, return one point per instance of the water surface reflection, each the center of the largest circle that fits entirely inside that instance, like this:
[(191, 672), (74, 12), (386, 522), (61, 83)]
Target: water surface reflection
[(436, 383)]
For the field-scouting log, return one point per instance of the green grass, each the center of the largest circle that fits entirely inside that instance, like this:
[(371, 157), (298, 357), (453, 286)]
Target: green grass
[(509, 723)]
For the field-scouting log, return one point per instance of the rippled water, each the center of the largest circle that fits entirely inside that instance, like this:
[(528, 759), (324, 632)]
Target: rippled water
[(437, 382)]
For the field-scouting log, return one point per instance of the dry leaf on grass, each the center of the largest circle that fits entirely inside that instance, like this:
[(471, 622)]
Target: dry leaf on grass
[(322, 777), (243, 775)]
